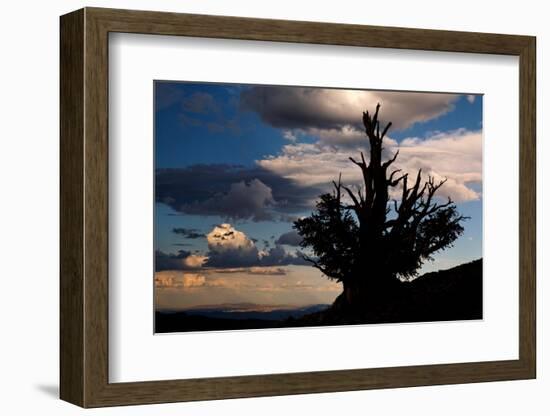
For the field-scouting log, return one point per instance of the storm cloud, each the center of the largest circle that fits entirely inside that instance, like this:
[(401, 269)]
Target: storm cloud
[(233, 192), (292, 238), (325, 108), (244, 200)]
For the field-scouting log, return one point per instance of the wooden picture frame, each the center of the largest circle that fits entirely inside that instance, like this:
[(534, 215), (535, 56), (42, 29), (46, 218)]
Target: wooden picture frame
[(84, 207)]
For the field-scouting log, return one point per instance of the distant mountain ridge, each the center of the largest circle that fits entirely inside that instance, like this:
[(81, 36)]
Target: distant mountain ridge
[(273, 314)]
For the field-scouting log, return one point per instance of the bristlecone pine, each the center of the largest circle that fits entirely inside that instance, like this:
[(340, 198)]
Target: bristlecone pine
[(370, 242)]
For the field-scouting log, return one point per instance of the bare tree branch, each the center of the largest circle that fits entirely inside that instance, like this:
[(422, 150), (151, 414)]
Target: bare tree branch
[(389, 162), (386, 130), (352, 196)]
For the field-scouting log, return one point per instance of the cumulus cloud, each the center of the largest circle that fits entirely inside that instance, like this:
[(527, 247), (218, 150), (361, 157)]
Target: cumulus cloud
[(195, 261), (291, 238), (230, 248), (230, 252), (455, 155), (289, 135), (325, 108), (311, 165)]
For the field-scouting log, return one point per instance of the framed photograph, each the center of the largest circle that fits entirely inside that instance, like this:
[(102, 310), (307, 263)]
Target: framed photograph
[(256, 207)]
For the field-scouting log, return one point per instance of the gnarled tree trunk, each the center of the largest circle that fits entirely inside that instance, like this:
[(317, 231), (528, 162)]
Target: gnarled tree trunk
[(356, 244)]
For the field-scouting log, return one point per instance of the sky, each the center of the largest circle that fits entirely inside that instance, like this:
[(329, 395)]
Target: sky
[(236, 164)]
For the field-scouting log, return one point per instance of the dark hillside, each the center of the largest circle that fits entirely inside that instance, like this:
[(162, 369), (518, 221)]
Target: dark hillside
[(445, 295)]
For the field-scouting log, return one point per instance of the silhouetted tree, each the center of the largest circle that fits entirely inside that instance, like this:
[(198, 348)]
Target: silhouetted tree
[(367, 241)]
